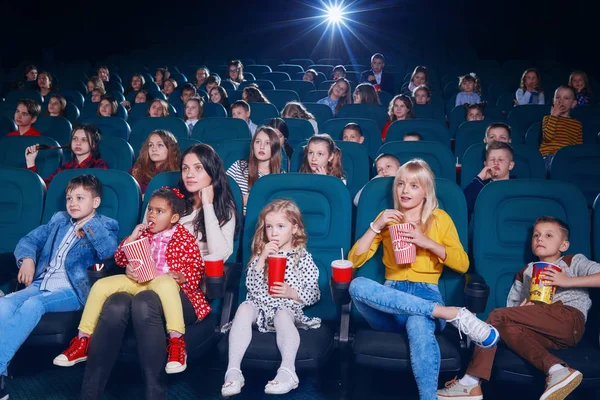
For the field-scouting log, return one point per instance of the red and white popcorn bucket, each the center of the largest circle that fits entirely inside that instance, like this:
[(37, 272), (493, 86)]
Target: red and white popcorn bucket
[(140, 258), (404, 252)]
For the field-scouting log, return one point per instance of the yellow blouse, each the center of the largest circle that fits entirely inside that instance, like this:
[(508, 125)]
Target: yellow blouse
[(428, 267)]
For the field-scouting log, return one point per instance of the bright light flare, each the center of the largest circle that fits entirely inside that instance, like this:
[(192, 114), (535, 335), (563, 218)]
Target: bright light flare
[(335, 15)]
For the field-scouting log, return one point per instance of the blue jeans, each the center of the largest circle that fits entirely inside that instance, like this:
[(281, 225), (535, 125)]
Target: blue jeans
[(21, 311), (396, 306)]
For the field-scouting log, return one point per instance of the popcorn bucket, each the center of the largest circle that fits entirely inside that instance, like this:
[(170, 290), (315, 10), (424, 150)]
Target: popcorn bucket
[(540, 290), (404, 252), (140, 258)]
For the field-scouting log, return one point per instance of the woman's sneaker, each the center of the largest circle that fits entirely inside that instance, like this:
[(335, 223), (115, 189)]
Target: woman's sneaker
[(481, 333), (76, 353)]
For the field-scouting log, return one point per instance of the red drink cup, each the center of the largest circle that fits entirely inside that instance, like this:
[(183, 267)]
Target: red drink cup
[(341, 271), (140, 258), (213, 266), (404, 252), (276, 266)]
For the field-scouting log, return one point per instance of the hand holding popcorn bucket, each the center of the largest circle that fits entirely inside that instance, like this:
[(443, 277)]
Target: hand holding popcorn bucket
[(139, 256), (404, 252), (540, 289)]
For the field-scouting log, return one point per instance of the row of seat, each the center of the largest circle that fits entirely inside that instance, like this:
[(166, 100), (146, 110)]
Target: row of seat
[(504, 214)]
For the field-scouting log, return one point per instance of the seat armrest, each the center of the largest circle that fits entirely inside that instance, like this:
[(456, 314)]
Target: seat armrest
[(340, 294), (233, 272), (476, 293), (344, 335)]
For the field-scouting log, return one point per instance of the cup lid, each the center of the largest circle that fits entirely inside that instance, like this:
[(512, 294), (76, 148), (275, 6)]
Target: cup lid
[(342, 264), (277, 255), (212, 257)]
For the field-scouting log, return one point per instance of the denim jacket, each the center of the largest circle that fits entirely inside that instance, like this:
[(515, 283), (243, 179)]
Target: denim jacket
[(99, 243)]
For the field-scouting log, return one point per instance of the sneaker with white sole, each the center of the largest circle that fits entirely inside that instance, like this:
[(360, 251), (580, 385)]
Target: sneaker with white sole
[(561, 383), (76, 352), (457, 391), (481, 333)]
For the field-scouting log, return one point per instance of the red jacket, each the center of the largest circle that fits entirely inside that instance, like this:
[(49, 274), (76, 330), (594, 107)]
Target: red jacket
[(182, 256)]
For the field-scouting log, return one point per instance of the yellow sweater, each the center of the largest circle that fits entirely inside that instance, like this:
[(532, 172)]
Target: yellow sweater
[(428, 266)]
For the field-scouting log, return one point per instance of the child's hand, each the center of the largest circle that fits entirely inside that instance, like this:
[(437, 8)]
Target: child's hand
[(386, 217), (321, 171), (177, 276), (131, 272), (31, 153), (486, 173), (26, 272), (557, 110), (556, 278), (270, 248), (526, 302), (416, 237), (371, 78), (137, 232), (285, 291), (79, 228)]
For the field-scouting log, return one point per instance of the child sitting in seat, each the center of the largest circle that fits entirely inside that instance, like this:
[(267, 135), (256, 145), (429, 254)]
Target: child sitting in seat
[(337, 96), (310, 75), (158, 108), (474, 112), (280, 230), (25, 116), (386, 165), (558, 128), (419, 77), (580, 82), (470, 89), (295, 109), (497, 132), (531, 90), (412, 137), (401, 108), (178, 267), (531, 328), (85, 146), (323, 157), (107, 107), (241, 110), (57, 105), (69, 243), (159, 153), (353, 133), (499, 161), (422, 95), (194, 109)]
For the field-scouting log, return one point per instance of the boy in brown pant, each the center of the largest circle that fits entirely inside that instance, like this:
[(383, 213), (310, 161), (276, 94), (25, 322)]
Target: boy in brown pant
[(529, 329)]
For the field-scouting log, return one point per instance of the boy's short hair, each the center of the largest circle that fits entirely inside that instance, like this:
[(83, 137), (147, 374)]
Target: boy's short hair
[(413, 134), (33, 108), (241, 103), (377, 55), (564, 228), (188, 86), (354, 127), (386, 155), (213, 79), (495, 125), (312, 72), (568, 88), (340, 68), (495, 145), (89, 182)]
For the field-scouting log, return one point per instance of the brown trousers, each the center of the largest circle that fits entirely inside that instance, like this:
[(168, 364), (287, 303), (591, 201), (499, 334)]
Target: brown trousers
[(529, 331)]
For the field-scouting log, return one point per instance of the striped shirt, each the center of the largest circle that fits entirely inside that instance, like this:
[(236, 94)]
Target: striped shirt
[(239, 172), (55, 276), (558, 132)]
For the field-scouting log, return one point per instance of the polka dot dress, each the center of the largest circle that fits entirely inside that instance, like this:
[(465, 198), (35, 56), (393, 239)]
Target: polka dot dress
[(304, 277)]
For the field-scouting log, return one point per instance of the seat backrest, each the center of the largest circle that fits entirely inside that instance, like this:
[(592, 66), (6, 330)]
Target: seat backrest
[(138, 111), (232, 150), (257, 69), (431, 130), (117, 153), (579, 165), (179, 78), (321, 112), (371, 132), (263, 84), (325, 205), (303, 62), (141, 128), (533, 136), (377, 196), (16, 95), (213, 131), (529, 163), (7, 125), (73, 96), (110, 126), (275, 77), (596, 229), (300, 130), (262, 111), (324, 69), (23, 194), (520, 119), (429, 111), (72, 112), (89, 110), (120, 196), (314, 95), (214, 110), (591, 127), (58, 128), (279, 98), (298, 86), (291, 69), (438, 156), (12, 153), (376, 112), (468, 134), (503, 224)]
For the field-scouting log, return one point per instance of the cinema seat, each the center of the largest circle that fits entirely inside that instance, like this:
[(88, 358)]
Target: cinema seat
[(12, 153), (213, 131), (438, 156), (371, 132), (430, 129), (58, 128), (141, 128), (110, 126), (579, 165)]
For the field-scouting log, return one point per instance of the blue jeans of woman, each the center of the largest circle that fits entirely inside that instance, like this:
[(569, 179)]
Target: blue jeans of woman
[(398, 306)]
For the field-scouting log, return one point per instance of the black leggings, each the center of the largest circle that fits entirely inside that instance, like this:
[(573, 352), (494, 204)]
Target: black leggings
[(148, 320)]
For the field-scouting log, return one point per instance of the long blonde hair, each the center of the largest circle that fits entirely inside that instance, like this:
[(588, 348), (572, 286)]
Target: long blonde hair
[(293, 215), (420, 171)]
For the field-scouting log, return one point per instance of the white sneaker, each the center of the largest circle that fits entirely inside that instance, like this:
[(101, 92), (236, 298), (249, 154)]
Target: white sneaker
[(561, 383), (481, 333)]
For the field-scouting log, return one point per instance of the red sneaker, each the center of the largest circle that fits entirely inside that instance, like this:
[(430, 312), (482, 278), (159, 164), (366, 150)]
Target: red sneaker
[(177, 360), (75, 353)]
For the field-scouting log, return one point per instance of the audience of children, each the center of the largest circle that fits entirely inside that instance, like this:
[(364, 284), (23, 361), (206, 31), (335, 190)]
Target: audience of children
[(280, 230), (376, 76), (159, 153), (365, 93), (469, 88), (323, 157), (337, 96), (52, 261), (241, 110), (531, 329), (400, 108), (531, 90), (385, 165), (558, 128), (294, 109), (25, 116)]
